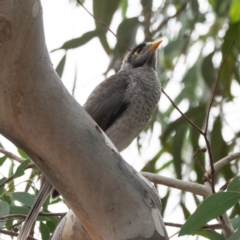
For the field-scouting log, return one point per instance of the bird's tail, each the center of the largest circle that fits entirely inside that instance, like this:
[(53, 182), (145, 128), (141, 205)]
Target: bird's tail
[(32, 215)]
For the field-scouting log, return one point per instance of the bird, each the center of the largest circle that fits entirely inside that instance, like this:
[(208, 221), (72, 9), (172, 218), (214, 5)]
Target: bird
[(121, 105)]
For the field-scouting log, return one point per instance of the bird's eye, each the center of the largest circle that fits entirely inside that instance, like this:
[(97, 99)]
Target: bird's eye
[(136, 53)]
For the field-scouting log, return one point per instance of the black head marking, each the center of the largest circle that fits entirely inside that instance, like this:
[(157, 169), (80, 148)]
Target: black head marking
[(141, 55)]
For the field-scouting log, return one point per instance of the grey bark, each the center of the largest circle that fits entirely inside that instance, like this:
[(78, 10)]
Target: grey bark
[(39, 115)]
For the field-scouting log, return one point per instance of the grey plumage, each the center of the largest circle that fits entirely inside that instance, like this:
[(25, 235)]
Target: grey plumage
[(121, 105)]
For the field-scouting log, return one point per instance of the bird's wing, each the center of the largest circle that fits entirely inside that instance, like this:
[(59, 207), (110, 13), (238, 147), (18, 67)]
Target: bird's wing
[(106, 103)]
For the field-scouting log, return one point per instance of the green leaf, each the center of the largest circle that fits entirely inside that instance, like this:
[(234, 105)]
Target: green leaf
[(2, 180), (234, 185), (235, 235), (124, 6), (19, 210), (210, 208), (52, 222), (164, 166), (60, 67), (78, 42), (210, 234), (234, 11), (177, 146), (190, 81), (164, 200), (208, 71), (2, 160), (186, 212), (25, 211), (22, 154), (178, 123), (44, 231), (24, 198), (173, 47), (235, 222), (4, 211), (151, 165), (219, 146), (21, 168), (126, 31), (104, 11)]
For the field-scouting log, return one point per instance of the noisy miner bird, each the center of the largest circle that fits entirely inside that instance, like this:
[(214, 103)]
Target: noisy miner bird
[(121, 105)]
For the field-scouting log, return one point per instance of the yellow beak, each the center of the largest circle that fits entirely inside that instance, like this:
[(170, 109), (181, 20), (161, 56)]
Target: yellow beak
[(154, 46)]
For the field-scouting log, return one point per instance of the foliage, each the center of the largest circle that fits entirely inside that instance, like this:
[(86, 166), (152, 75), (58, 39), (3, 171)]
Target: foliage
[(197, 35)]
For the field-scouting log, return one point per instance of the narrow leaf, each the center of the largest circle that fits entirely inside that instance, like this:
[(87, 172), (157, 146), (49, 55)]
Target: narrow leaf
[(19, 210), (24, 211), (234, 11), (78, 42), (22, 154), (209, 234), (235, 235), (24, 198), (4, 211), (124, 6), (20, 170), (234, 185), (60, 67), (210, 208), (44, 231), (2, 160), (235, 222)]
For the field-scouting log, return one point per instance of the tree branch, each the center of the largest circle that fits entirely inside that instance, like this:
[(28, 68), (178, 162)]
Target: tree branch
[(20, 216), (224, 161), (210, 226), (194, 188), (15, 157), (13, 234), (11, 155)]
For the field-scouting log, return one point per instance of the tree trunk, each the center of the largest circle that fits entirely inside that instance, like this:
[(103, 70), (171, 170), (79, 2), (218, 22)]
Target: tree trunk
[(39, 115)]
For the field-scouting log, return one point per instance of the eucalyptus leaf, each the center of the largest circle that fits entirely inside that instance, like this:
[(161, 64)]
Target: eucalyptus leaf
[(4, 211), (234, 185), (24, 198), (21, 168), (210, 208), (235, 235)]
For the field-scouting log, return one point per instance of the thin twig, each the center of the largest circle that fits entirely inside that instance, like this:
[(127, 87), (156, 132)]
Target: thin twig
[(6, 181), (183, 115), (101, 22), (13, 234), (211, 162), (11, 155), (194, 188), (224, 161), (215, 84), (22, 216), (207, 117), (211, 226), (15, 157), (14, 225)]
